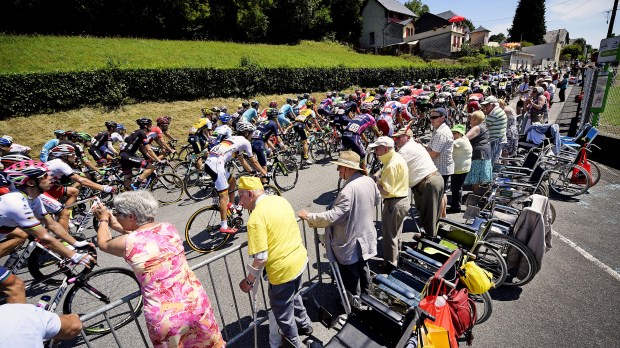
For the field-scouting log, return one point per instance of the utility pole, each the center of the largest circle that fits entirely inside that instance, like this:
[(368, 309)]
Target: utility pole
[(612, 19)]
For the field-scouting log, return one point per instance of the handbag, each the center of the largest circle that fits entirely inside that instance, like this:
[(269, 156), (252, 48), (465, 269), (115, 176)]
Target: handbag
[(433, 336), (476, 279), (463, 313), (437, 306)]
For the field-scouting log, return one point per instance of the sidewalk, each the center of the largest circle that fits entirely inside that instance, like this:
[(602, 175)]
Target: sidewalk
[(565, 114)]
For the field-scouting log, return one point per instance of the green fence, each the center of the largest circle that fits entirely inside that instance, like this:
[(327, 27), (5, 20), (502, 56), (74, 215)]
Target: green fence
[(609, 121)]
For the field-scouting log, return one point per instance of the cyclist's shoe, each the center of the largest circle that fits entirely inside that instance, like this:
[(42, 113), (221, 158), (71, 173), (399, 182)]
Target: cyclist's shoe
[(308, 161), (228, 230), (135, 186)]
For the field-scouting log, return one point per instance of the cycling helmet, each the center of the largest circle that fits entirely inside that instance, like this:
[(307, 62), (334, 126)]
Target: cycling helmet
[(59, 133), (309, 103), (395, 96), (243, 127), (273, 104), (366, 107), (20, 172), (8, 137), (245, 104), (5, 142), (144, 122), (216, 110), (163, 121), (224, 108), (272, 113), (328, 95), (306, 96), (120, 126), (352, 97), (225, 118), (110, 124), (9, 160), (255, 103), (83, 137), (289, 100), (62, 150)]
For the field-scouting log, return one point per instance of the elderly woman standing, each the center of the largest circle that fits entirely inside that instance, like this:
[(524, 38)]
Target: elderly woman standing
[(509, 148), (176, 308), (537, 106), (461, 153), (481, 162)]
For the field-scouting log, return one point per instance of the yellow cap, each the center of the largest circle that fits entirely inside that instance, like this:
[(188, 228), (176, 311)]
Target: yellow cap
[(250, 183)]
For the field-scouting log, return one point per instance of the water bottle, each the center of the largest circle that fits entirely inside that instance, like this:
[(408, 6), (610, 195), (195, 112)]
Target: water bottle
[(11, 260), (44, 302)]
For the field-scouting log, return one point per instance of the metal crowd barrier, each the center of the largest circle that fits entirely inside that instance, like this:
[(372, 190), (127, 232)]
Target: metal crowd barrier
[(232, 330)]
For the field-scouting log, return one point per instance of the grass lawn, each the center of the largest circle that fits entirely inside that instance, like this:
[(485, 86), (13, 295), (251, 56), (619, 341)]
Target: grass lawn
[(21, 54), (610, 119)]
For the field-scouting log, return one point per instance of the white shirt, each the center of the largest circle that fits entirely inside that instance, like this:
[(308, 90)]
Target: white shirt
[(24, 325), (418, 160), (17, 210)]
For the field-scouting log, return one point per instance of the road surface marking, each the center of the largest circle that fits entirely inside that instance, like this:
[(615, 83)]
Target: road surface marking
[(588, 256)]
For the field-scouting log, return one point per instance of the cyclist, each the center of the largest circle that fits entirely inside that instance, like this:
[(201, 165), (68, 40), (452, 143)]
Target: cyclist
[(8, 146), (222, 131), (157, 133), (22, 213), (79, 140), (353, 134), (138, 140), (101, 143), (286, 113), (260, 137), (199, 133), (215, 167), (50, 144), (385, 120), (251, 114), (61, 166), (326, 105), (118, 136)]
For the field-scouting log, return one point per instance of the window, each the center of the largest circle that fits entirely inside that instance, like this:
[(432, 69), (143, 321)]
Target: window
[(371, 37)]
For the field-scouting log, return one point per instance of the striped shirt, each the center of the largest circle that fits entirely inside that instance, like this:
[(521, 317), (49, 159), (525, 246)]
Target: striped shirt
[(496, 122)]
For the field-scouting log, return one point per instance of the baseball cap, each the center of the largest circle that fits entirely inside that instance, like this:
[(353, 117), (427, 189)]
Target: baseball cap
[(382, 141), (489, 99), (441, 111)]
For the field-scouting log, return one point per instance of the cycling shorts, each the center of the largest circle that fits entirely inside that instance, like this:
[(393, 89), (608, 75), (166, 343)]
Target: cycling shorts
[(300, 129), (283, 120), (50, 200), (258, 147), (57, 191), (128, 162), (384, 127), (5, 276), (216, 168), (97, 155), (353, 142), (198, 142)]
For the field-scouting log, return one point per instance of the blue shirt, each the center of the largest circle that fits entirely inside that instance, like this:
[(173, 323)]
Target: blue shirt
[(287, 110), (47, 148), (249, 115)]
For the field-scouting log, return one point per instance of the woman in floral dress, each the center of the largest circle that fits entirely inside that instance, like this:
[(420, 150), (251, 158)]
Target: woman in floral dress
[(176, 307)]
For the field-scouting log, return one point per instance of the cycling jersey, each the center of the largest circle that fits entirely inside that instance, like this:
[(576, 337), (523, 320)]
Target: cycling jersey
[(220, 155), (385, 123), (17, 148), (134, 141), (59, 171), (202, 124), (249, 115), (17, 210), (100, 139), (220, 133), (52, 143), (304, 115), (265, 130), (325, 106), (359, 124), (78, 149), (286, 110)]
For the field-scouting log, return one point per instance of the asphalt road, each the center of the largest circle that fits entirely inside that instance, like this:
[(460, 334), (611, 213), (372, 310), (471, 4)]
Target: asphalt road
[(570, 303)]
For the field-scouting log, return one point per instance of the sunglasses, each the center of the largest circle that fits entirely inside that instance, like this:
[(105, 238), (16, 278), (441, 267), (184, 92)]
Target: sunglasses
[(116, 213), (435, 117)]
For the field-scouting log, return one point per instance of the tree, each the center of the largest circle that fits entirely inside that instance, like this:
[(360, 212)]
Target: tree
[(417, 7), (469, 24), (497, 37), (573, 50), (529, 22)]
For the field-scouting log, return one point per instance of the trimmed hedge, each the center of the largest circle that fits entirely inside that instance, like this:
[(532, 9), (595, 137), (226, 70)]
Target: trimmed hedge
[(25, 94)]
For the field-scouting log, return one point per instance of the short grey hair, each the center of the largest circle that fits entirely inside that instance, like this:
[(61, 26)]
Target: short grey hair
[(140, 204)]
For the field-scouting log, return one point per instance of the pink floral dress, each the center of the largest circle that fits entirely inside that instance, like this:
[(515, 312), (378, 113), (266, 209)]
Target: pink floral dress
[(177, 310)]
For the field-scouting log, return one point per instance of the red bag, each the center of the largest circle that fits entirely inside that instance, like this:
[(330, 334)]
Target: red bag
[(463, 312), (442, 313)]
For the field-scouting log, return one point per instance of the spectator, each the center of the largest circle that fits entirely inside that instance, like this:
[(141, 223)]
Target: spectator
[(481, 166), (440, 149), (509, 148), (350, 233), (563, 85), (424, 179), (176, 307), (274, 242), (461, 153), (496, 123), (537, 105), (24, 325), (393, 185)]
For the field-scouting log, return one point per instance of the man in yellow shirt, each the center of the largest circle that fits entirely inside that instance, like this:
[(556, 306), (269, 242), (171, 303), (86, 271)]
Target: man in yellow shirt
[(274, 242), (393, 185)]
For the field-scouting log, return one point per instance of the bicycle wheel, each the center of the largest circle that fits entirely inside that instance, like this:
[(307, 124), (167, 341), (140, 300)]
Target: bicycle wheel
[(285, 175), (98, 289), (272, 190), (484, 307), (319, 150), (185, 151), (198, 185), (569, 180), (491, 260), (43, 263), (521, 263), (202, 231), (167, 188), (595, 173), (183, 168)]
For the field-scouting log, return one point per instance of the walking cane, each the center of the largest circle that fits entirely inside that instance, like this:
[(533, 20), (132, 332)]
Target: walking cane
[(255, 311)]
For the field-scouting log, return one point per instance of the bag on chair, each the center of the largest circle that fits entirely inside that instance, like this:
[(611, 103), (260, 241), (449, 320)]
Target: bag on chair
[(463, 312), (433, 336), (476, 279), (437, 306)]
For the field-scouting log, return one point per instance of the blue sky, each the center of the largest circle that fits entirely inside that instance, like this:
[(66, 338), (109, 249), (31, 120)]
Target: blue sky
[(582, 18)]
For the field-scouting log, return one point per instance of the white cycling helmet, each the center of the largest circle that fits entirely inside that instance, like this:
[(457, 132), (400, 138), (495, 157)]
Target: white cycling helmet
[(243, 127)]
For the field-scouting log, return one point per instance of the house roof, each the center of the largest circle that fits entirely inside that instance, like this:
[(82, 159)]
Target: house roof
[(555, 35), (406, 21), (480, 28), (395, 6), (446, 15)]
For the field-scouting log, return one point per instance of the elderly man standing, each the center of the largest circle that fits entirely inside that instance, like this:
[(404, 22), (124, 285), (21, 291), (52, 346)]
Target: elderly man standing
[(350, 233), (393, 185), (496, 121), (274, 242), (440, 149), (425, 181)]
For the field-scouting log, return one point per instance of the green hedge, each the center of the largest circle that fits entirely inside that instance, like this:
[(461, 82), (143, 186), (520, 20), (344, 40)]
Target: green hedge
[(24, 94)]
